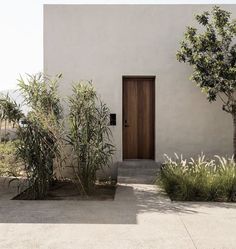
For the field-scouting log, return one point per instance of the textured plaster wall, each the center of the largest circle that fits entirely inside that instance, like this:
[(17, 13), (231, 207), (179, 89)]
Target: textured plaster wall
[(104, 42)]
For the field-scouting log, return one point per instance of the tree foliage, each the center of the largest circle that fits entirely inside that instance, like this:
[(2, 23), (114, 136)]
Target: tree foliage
[(212, 54)]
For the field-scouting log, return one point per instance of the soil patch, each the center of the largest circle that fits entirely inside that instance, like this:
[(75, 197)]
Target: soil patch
[(67, 190)]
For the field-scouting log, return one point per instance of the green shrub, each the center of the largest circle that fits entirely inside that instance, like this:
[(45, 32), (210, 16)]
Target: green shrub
[(200, 179), (89, 136), (38, 131), (9, 165)]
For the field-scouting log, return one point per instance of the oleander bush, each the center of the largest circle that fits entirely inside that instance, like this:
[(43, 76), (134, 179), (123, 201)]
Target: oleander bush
[(38, 131), (42, 137), (89, 135), (199, 179)]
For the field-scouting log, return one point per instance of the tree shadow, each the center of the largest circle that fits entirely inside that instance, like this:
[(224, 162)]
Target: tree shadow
[(159, 202), (63, 211), (129, 203)]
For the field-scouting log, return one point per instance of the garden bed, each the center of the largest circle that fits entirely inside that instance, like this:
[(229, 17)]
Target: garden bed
[(199, 180), (67, 190)]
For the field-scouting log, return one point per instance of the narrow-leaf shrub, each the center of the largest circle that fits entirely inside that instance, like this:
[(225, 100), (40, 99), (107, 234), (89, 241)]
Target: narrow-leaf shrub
[(10, 115), (89, 135), (38, 131), (199, 179), (9, 165)]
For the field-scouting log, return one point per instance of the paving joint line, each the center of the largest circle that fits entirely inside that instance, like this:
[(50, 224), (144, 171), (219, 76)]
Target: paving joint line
[(187, 231)]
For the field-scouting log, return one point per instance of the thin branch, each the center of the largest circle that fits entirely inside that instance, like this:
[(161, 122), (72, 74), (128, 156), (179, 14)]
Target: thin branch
[(225, 103)]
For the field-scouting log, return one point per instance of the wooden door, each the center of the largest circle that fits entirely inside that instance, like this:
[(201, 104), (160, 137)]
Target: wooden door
[(138, 117)]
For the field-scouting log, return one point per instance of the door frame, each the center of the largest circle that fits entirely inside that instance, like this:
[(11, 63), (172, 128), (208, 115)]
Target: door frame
[(153, 77)]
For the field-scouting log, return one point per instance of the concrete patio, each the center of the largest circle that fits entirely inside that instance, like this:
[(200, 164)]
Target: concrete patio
[(139, 217)]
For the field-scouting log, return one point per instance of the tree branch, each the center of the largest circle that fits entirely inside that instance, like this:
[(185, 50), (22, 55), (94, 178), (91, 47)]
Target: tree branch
[(225, 103)]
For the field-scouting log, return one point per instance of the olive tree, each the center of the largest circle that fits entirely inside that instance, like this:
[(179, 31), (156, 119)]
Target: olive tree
[(211, 51)]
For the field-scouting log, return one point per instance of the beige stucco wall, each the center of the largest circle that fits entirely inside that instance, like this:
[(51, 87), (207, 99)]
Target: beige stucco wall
[(104, 42)]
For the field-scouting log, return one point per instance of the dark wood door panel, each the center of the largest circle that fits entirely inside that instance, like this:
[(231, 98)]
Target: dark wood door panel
[(146, 119), (138, 118), (130, 125)]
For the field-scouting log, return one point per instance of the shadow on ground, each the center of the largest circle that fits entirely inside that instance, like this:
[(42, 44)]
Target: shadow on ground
[(152, 201), (130, 202)]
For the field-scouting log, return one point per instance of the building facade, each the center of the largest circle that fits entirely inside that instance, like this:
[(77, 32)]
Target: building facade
[(129, 52)]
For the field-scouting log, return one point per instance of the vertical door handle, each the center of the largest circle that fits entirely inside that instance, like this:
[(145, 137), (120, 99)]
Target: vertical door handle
[(126, 123)]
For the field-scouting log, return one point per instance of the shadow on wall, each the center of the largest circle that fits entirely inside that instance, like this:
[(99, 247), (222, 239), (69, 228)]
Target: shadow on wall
[(108, 172), (130, 203)]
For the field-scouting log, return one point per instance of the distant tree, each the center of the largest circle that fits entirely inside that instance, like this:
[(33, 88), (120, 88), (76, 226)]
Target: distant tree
[(212, 54)]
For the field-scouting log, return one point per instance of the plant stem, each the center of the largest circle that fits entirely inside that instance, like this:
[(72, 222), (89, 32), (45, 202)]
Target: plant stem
[(234, 138)]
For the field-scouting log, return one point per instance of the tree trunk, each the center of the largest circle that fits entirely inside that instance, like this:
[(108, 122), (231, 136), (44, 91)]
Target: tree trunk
[(234, 139), (0, 130)]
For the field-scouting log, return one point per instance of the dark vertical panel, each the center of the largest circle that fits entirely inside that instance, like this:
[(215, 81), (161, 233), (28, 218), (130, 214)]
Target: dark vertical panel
[(130, 122), (139, 112), (146, 108)]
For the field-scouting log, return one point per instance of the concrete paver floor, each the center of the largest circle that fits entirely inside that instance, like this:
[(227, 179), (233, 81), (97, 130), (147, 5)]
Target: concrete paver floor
[(140, 217)]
